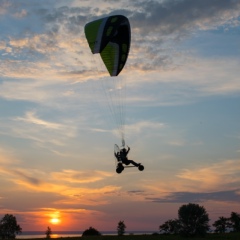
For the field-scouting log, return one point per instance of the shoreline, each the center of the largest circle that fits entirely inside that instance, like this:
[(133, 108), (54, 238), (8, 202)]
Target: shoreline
[(62, 234)]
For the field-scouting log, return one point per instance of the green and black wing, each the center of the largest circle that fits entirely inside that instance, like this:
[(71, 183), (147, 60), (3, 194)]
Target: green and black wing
[(111, 37)]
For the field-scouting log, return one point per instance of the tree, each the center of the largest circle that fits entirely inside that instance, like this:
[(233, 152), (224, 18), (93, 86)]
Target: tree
[(121, 228), (9, 227), (221, 225), (170, 227), (193, 220), (48, 232), (235, 221), (91, 232)]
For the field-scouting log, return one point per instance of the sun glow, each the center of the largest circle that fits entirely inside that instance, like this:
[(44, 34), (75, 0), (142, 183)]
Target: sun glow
[(55, 217), (55, 220)]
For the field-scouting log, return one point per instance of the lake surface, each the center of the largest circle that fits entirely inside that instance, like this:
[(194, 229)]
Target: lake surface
[(58, 234)]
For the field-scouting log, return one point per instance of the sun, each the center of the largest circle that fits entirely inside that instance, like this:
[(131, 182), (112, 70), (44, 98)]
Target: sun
[(55, 221), (54, 217)]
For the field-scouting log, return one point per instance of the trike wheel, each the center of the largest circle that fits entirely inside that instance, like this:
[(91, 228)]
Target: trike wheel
[(140, 167)]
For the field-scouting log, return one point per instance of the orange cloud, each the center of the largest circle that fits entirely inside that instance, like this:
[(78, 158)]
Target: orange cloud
[(215, 176), (73, 176), (65, 183)]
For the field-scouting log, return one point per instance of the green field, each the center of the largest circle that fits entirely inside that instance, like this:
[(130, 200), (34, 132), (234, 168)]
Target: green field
[(227, 236)]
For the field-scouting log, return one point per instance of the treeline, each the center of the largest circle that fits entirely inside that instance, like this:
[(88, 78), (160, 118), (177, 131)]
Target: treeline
[(193, 220)]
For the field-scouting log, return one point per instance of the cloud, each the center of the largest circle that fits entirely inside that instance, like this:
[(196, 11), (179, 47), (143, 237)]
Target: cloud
[(38, 43), (2, 45), (211, 176), (73, 176), (138, 127), (41, 60), (184, 197), (7, 156), (19, 176), (165, 24), (214, 181), (64, 183), (33, 119), (21, 14), (181, 85), (5, 5), (179, 17), (31, 180), (52, 135), (58, 57), (64, 25)]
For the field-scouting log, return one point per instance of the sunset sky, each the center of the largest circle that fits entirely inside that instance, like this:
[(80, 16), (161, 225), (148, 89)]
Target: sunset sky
[(57, 139)]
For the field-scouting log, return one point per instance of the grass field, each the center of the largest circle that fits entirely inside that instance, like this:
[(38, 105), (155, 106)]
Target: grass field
[(226, 236)]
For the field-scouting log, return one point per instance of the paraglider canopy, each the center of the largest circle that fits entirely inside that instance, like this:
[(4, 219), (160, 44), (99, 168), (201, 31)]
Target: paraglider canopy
[(110, 36)]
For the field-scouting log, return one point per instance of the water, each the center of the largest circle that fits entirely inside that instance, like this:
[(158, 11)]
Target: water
[(59, 234), (31, 235)]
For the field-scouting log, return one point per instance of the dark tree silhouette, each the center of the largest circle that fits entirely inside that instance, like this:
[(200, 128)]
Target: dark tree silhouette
[(221, 225), (48, 232), (91, 232), (9, 227), (170, 227), (235, 221), (121, 228), (193, 220)]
